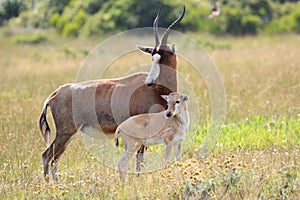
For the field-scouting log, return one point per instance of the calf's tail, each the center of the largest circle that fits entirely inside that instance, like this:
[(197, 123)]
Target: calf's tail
[(117, 134)]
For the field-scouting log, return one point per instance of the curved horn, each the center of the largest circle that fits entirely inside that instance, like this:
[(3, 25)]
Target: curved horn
[(155, 27), (167, 32)]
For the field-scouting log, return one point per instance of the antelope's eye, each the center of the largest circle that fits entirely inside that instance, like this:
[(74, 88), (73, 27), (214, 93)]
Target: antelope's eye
[(177, 101)]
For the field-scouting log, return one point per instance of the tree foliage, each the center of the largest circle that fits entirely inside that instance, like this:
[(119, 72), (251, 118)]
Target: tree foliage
[(91, 17), (11, 8)]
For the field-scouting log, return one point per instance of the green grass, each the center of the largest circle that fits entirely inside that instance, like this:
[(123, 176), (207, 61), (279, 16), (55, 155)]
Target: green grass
[(29, 38), (256, 154), (257, 132)]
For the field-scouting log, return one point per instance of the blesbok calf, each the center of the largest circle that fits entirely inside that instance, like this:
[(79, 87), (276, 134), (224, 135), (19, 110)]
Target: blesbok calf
[(167, 127), (99, 105)]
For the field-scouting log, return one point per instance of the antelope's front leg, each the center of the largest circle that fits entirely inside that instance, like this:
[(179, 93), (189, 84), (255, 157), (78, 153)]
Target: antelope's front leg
[(177, 147), (168, 149)]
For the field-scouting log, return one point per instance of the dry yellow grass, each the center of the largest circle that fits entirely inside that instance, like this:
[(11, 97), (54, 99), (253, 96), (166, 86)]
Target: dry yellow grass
[(261, 78)]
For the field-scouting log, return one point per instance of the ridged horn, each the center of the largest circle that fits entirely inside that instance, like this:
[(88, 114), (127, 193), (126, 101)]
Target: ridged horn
[(167, 32), (155, 27)]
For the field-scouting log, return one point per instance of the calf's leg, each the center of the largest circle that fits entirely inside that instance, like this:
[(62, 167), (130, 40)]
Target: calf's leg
[(140, 157), (168, 149), (177, 147), (131, 149)]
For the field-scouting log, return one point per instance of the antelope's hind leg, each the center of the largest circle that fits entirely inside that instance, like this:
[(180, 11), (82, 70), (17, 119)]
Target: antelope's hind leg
[(54, 170), (123, 162), (140, 157), (53, 153)]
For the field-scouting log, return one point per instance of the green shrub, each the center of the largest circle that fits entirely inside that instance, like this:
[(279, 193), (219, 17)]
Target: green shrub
[(29, 38), (54, 19), (30, 19), (71, 20), (92, 26), (296, 16), (92, 17), (61, 24), (250, 24), (281, 25), (287, 20), (233, 20), (71, 30), (107, 19), (80, 17), (93, 6), (196, 19)]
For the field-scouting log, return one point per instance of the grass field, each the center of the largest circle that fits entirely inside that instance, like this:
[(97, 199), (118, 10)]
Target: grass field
[(257, 154)]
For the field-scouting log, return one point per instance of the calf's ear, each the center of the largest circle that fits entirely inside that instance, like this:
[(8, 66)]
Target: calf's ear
[(165, 97), (185, 98)]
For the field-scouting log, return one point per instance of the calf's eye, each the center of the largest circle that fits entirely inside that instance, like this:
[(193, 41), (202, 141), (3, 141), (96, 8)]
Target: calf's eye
[(177, 102)]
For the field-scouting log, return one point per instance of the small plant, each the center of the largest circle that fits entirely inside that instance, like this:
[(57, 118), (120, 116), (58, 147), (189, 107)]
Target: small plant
[(29, 38)]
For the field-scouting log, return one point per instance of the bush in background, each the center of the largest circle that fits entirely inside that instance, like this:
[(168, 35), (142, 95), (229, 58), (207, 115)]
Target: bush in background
[(286, 19), (11, 8), (70, 21), (73, 18), (29, 38)]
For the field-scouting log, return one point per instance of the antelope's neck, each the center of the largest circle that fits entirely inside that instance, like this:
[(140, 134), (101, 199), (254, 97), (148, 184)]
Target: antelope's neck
[(183, 117), (168, 75)]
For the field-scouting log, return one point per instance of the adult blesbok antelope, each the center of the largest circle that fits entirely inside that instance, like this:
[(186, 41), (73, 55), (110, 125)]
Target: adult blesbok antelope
[(99, 105), (167, 127)]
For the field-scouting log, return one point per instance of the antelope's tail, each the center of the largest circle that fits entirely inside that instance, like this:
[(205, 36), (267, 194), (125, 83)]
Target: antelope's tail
[(44, 126)]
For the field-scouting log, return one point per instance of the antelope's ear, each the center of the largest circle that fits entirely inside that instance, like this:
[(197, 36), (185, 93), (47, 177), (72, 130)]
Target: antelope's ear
[(145, 49), (173, 48), (185, 98), (165, 97)]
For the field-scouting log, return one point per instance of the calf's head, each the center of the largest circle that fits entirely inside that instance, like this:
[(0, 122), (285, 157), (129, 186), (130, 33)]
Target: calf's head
[(176, 103)]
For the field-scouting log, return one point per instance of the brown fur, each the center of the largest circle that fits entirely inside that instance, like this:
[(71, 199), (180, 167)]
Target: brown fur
[(93, 109), (99, 105)]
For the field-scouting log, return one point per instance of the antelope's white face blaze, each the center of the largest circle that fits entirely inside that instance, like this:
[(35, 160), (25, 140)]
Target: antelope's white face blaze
[(154, 71), (177, 107)]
